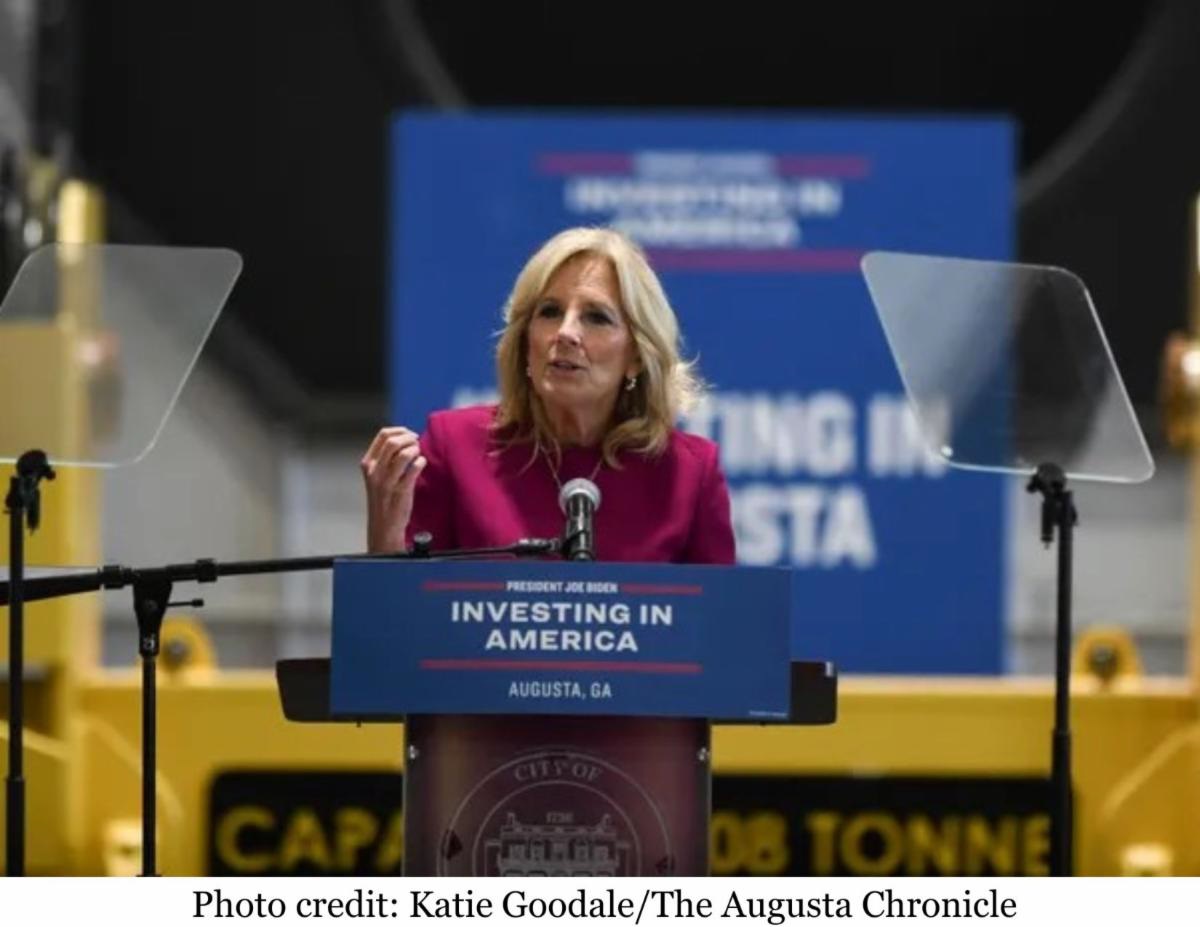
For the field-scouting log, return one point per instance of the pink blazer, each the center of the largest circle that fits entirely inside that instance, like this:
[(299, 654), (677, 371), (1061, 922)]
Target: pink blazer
[(476, 493)]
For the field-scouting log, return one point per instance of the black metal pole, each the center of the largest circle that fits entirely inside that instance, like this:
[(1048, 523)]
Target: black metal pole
[(209, 571), (24, 507), (1059, 514), (1062, 829), (149, 766), (150, 601), (15, 783)]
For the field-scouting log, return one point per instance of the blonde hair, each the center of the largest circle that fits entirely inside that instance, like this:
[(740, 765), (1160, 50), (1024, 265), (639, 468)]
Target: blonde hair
[(666, 386)]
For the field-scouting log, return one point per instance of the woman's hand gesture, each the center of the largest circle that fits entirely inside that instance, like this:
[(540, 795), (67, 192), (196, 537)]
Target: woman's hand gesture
[(390, 469)]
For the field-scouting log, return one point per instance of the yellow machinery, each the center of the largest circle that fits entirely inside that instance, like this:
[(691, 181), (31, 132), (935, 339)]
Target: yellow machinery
[(918, 776), (40, 361)]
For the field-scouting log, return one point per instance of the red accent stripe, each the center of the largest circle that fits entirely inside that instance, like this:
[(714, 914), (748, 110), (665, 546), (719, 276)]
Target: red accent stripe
[(583, 162), (649, 589), (609, 666), (849, 166), (433, 585), (784, 260)]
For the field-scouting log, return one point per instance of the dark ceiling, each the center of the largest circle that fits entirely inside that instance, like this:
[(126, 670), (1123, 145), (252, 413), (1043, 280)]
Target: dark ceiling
[(260, 126)]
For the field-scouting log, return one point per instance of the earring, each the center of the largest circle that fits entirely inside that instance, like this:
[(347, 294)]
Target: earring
[(528, 372), (630, 383)]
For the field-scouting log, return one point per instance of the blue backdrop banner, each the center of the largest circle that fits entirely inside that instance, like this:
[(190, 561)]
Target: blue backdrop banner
[(756, 227)]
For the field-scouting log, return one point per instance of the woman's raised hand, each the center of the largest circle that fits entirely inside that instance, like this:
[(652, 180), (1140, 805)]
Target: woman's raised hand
[(390, 469)]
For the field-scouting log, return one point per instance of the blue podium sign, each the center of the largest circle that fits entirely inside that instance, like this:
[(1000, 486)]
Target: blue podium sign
[(420, 637)]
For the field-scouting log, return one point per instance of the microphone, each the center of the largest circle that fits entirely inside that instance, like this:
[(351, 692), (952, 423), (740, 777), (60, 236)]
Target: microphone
[(579, 500)]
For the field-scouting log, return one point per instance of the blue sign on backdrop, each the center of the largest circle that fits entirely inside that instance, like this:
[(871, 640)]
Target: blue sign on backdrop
[(756, 226)]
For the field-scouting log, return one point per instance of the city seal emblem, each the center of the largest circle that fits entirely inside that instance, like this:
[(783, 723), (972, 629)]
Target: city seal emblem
[(556, 813)]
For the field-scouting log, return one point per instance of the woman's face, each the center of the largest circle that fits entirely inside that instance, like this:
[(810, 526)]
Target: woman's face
[(581, 348)]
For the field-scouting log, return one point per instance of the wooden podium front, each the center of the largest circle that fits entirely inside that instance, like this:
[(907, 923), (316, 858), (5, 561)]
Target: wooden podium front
[(555, 795), (557, 759)]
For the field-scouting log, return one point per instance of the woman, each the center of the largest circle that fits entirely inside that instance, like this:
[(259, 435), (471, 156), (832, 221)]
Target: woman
[(590, 383)]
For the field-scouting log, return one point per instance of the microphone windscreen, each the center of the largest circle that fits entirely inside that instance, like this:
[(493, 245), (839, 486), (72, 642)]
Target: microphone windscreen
[(579, 486)]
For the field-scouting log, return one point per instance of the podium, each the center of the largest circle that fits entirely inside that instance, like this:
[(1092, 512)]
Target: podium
[(557, 716)]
